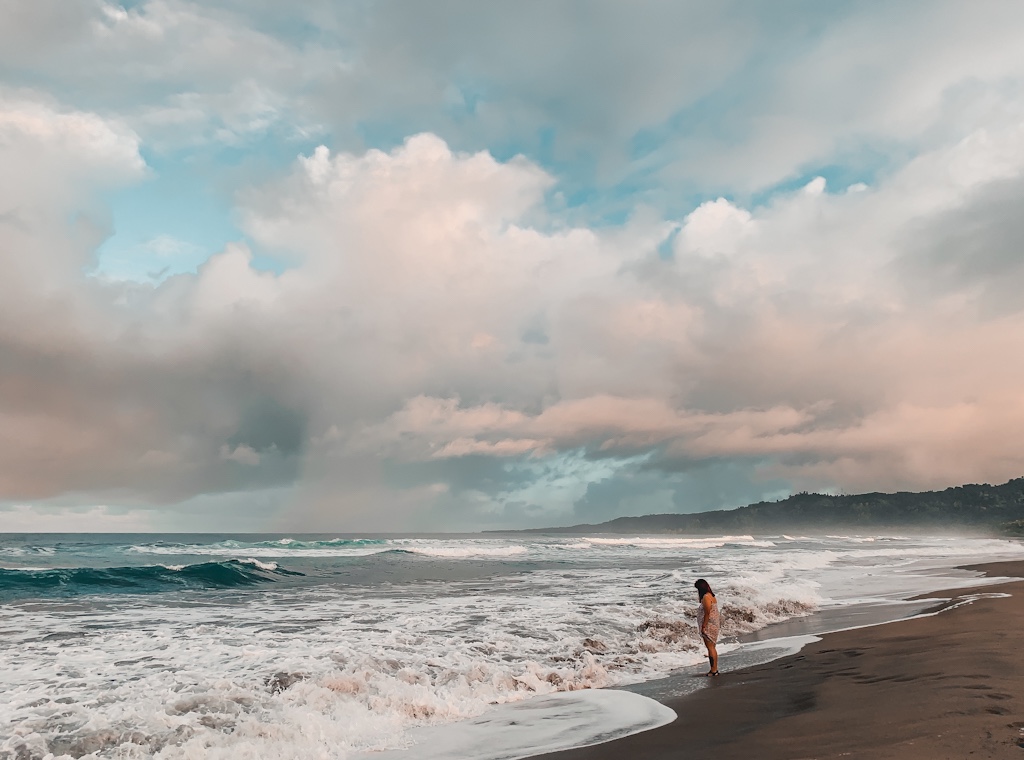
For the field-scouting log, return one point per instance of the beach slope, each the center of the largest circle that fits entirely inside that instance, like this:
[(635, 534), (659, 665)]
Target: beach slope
[(949, 685)]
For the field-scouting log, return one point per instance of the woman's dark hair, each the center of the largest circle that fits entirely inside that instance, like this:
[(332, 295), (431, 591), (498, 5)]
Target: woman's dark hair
[(703, 587)]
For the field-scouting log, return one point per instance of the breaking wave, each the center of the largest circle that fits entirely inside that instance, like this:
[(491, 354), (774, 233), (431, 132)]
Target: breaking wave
[(148, 578), (339, 547)]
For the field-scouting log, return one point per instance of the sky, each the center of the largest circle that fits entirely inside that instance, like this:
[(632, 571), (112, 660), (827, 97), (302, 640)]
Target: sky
[(398, 266)]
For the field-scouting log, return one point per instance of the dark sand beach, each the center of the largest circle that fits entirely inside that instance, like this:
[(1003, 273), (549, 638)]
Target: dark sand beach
[(950, 685)]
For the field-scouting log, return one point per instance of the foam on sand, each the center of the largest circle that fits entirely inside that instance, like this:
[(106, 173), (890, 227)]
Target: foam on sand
[(537, 726)]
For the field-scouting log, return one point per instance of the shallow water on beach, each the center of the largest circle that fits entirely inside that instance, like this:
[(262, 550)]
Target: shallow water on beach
[(328, 646)]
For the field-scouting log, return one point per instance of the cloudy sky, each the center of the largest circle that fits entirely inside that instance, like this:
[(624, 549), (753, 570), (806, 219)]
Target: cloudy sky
[(458, 265)]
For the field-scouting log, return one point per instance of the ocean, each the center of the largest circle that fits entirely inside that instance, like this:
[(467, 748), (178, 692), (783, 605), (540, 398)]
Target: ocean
[(487, 647)]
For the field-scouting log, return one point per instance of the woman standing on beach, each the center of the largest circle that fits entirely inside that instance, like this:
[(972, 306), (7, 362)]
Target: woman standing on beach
[(708, 621)]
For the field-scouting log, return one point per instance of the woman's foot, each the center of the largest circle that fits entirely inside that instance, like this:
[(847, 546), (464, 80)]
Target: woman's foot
[(712, 673)]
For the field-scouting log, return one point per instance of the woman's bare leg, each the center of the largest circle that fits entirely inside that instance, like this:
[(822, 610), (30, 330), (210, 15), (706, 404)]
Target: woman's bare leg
[(712, 654)]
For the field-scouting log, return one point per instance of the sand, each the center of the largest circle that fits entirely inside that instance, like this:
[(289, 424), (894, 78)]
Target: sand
[(946, 686)]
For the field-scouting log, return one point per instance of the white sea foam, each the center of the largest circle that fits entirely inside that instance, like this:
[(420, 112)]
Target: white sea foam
[(542, 725), (265, 566), (452, 549), (323, 670), (366, 664), (661, 542), (261, 551), (274, 549), (30, 569), (288, 547), (457, 552), (23, 551)]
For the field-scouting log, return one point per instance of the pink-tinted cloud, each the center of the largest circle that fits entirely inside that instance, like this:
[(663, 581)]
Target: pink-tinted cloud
[(436, 312)]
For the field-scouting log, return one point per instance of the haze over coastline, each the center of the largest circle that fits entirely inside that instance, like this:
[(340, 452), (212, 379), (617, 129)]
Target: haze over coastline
[(963, 509), (461, 266)]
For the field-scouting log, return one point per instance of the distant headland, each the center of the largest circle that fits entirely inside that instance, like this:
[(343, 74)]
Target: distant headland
[(978, 508)]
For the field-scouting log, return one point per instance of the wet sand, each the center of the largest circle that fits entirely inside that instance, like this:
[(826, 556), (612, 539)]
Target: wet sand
[(946, 686)]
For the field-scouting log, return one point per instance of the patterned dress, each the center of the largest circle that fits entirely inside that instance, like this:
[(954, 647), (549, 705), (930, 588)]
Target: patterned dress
[(714, 621)]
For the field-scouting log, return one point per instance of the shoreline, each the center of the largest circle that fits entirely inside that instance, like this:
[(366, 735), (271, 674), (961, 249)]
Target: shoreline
[(946, 683)]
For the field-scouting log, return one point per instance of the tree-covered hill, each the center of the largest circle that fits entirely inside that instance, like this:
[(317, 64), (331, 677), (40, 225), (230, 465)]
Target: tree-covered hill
[(975, 507)]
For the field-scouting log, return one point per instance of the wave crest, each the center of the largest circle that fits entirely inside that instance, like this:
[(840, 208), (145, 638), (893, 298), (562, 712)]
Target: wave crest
[(148, 578)]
